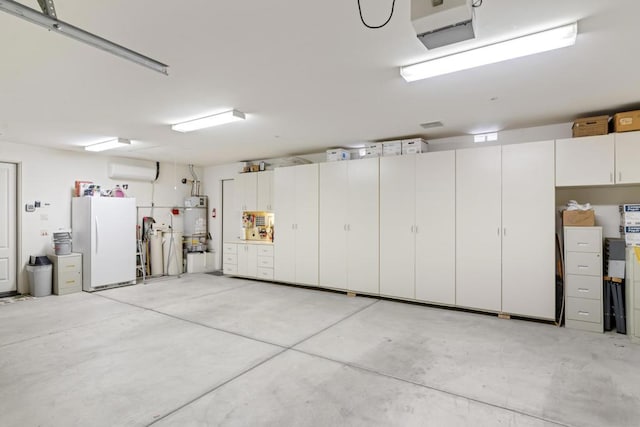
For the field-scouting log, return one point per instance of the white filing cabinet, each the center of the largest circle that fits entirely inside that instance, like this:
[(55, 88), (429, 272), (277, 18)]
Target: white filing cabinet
[(632, 286), (230, 258), (67, 273), (583, 278)]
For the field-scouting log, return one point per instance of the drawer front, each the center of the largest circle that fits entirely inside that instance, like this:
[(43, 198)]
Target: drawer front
[(583, 239), (265, 261), (265, 273), (585, 310), (584, 263), (73, 264), (69, 280), (584, 287), (230, 259), (265, 250), (229, 248), (229, 268)]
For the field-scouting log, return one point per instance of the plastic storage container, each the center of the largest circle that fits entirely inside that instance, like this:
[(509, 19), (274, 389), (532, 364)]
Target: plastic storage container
[(39, 273)]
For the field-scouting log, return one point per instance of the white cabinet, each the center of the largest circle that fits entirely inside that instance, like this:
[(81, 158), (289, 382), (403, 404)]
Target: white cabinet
[(247, 260), (348, 244), (627, 157), (505, 229), (230, 258), (417, 227), (583, 278), (584, 161), (264, 191), (246, 191), (479, 225), (67, 273), (528, 224), (296, 231), (632, 297)]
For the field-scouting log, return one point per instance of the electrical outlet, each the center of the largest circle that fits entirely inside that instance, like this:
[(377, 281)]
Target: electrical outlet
[(44, 233)]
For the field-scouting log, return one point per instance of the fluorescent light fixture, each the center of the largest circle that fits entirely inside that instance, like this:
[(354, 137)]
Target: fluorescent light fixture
[(485, 137), (61, 27), (108, 145), (515, 48), (209, 121)]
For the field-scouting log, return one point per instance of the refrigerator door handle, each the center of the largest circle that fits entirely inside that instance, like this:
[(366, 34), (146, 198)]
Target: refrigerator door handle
[(97, 234)]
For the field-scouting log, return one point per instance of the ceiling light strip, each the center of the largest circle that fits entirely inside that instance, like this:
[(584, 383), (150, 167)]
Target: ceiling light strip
[(209, 121), (108, 145), (515, 48), (78, 34)]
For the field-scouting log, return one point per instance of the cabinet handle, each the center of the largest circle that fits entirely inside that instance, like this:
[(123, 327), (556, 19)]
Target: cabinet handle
[(498, 231), (344, 227), (348, 227), (504, 231), (412, 228), (611, 177), (583, 266), (583, 313), (416, 229), (583, 290)]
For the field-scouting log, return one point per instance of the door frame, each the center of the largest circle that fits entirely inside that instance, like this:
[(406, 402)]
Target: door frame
[(18, 273)]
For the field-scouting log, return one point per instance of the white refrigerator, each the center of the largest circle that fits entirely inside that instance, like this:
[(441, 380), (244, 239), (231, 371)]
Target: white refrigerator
[(104, 232)]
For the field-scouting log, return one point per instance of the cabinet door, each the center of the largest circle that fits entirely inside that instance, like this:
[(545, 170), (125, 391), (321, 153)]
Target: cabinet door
[(306, 249), (284, 227), (627, 157), (265, 184), (252, 260), (436, 227), (242, 260), (588, 160), (363, 226), (528, 225), (397, 223), (333, 225), (478, 240)]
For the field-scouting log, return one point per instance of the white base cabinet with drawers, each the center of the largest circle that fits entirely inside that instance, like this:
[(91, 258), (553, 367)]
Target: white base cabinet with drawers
[(248, 259), (583, 278)]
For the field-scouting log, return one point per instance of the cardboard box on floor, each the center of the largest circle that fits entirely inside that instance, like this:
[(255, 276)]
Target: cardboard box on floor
[(579, 218)]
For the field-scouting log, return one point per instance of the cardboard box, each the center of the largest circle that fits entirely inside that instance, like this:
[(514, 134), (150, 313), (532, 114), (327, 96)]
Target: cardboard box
[(373, 149), (627, 121), (392, 148), (590, 126), (579, 218), (338, 154), (414, 146)]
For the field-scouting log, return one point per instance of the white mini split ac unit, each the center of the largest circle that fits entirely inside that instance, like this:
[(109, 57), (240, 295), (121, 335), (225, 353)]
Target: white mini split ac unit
[(133, 170), (442, 22)]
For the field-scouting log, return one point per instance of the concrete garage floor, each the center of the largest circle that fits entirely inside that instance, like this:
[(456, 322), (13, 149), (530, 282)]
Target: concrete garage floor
[(205, 350)]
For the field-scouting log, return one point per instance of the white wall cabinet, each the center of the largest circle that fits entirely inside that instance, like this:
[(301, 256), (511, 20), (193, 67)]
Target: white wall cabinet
[(348, 243), (585, 161), (246, 191), (264, 191), (296, 231), (417, 227), (627, 158), (505, 229)]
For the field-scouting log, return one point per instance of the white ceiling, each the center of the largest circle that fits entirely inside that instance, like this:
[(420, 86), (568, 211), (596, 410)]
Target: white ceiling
[(308, 75)]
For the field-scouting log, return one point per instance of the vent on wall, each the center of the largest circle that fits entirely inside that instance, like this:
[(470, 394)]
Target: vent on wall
[(134, 170)]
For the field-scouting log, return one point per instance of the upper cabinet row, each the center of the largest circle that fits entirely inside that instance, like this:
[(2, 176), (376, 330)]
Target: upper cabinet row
[(598, 160), (253, 191)]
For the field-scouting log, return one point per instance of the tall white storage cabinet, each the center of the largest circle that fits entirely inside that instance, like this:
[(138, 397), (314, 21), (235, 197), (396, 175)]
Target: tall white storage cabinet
[(104, 231), (505, 249), (479, 228), (528, 230), (417, 226), (349, 225), (296, 214)]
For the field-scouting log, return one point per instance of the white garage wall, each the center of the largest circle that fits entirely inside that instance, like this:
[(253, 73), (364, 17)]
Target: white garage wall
[(48, 176)]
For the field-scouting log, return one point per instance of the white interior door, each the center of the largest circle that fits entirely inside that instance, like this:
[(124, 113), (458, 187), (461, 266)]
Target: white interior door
[(436, 227), (397, 223), (306, 249), (528, 221), (284, 239), (363, 226), (8, 225), (479, 228), (333, 225)]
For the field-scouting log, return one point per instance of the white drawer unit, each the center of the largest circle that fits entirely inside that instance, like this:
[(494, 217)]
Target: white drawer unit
[(265, 262), (67, 273), (265, 273), (230, 248), (230, 259), (231, 269), (583, 278), (247, 259), (264, 250)]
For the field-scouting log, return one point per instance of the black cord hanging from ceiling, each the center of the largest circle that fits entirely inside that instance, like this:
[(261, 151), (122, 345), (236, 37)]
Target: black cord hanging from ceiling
[(374, 27)]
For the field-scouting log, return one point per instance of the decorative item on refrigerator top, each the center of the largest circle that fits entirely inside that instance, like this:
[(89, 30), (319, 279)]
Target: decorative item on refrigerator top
[(414, 146)]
